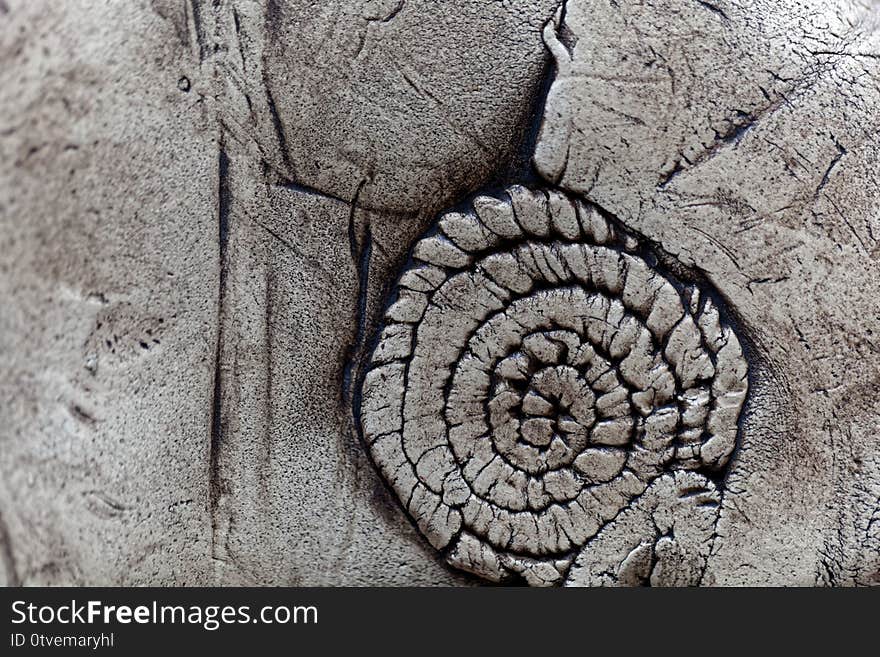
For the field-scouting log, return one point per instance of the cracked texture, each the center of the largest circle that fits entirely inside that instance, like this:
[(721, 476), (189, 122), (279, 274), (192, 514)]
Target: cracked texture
[(741, 137), (205, 202), (535, 376)]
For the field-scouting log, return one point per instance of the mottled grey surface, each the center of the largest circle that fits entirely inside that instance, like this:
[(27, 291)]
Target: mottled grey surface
[(744, 141), (205, 207)]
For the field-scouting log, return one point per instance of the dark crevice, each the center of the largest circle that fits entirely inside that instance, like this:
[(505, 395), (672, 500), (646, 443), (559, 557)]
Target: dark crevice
[(299, 188), (278, 127), (714, 9), (361, 246), (224, 197), (356, 231), (740, 125), (224, 203), (394, 12), (564, 33), (236, 22), (841, 151), (199, 26), (7, 557), (519, 168)]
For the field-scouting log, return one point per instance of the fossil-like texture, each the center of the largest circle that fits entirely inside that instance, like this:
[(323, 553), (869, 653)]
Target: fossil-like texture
[(205, 203), (741, 136), (200, 203), (537, 372)]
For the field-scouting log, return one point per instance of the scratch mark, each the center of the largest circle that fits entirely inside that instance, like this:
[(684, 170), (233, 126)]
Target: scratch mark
[(846, 221), (102, 504), (720, 245), (740, 125), (426, 93)]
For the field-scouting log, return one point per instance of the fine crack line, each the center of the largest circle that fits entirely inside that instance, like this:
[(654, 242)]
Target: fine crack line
[(841, 151)]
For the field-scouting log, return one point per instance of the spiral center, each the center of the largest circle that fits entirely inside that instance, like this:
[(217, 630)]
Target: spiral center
[(542, 407)]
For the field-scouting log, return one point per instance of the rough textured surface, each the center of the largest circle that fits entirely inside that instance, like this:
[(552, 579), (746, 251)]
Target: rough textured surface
[(108, 285), (743, 139), (206, 205), (534, 377)]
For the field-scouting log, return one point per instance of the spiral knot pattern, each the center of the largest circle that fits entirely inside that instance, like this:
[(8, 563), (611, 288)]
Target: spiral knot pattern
[(536, 372)]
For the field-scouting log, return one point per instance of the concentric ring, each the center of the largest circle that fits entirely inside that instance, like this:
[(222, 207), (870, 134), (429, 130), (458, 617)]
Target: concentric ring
[(535, 374)]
